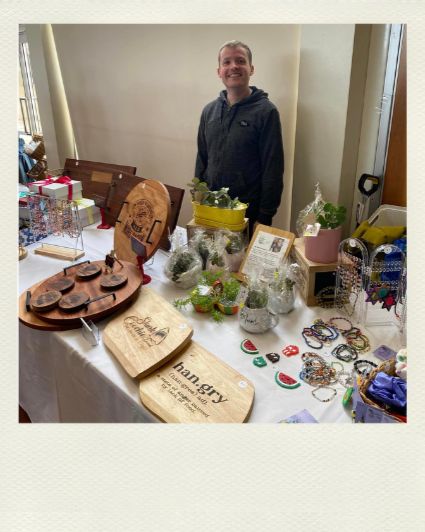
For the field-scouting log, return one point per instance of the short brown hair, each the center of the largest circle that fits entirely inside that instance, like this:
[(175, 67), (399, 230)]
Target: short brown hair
[(235, 44)]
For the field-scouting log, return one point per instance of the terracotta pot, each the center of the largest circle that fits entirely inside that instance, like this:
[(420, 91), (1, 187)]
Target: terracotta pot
[(324, 247)]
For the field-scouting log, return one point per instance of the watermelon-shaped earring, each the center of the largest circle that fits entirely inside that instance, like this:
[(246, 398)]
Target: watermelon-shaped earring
[(260, 362), (286, 381), (248, 347)]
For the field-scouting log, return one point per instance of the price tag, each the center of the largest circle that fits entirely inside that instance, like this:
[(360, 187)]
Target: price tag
[(243, 384), (312, 230), (387, 249), (138, 247), (353, 242), (353, 298)]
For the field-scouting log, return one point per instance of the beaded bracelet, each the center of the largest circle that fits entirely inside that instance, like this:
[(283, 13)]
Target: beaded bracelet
[(349, 357), (353, 331), (332, 324), (363, 363), (354, 342), (319, 327), (324, 400), (320, 299), (305, 334)]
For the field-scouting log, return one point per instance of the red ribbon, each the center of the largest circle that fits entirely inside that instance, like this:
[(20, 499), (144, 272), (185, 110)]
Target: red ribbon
[(61, 180), (42, 184), (66, 181)]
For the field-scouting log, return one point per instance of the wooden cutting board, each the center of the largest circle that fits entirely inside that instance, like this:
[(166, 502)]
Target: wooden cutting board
[(145, 216), (147, 335), (98, 309), (197, 387)]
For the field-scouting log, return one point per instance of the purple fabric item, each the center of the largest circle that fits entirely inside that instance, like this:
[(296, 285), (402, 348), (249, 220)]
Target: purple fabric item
[(389, 390)]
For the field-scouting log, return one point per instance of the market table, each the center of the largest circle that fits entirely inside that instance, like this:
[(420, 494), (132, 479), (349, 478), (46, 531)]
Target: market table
[(63, 379)]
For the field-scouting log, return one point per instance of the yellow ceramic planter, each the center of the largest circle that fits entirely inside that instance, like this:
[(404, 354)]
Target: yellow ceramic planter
[(223, 216)]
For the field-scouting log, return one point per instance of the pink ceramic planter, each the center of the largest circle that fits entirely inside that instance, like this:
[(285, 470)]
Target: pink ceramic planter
[(324, 247)]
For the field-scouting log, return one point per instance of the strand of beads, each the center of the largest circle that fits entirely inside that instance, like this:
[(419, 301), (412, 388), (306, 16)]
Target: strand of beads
[(53, 217), (38, 222), (359, 342), (319, 373), (351, 353)]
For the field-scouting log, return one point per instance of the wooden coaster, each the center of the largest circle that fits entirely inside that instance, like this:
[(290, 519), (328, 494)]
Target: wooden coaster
[(147, 334), (113, 282), (88, 271), (61, 285), (45, 301), (197, 387), (73, 301)]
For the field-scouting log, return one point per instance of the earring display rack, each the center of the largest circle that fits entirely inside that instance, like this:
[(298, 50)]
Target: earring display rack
[(384, 277), (350, 278), (401, 308), (58, 218)]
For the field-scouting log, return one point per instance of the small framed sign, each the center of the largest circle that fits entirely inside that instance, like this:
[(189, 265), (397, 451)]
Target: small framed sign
[(268, 246), (100, 202), (138, 247)]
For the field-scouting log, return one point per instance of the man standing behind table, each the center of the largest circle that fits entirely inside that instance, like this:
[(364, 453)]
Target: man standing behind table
[(240, 139)]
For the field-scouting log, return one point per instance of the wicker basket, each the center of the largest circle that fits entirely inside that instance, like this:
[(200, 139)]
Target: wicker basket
[(387, 367), (39, 152), (38, 171), (58, 172)]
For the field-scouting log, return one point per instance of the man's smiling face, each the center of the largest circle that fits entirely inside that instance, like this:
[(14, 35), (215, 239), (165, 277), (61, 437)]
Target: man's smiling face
[(234, 69)]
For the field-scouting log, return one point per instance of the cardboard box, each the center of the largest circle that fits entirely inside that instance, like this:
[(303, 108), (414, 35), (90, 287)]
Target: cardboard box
[(58, 190), (314, 275)]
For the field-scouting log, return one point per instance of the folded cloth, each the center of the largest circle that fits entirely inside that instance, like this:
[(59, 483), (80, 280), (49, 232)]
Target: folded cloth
[(377, 236), (389, 390)]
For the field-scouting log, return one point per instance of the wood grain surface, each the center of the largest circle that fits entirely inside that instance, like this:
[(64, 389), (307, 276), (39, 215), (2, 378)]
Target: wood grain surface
[(88, 271), (114, 281), (145, 216), (147, 334), (122, 183), (74, 301), (62, 285), (23, 253), (57, 252), (99, 309), (197, 387), (29, 319), (45, 301)]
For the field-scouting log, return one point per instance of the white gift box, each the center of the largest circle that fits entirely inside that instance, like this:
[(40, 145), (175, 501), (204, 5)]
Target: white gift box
[(88, 212), (58, 190)]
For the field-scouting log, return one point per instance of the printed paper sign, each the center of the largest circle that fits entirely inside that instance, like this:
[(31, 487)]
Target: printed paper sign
[(99, 202), (302, 417), (268, 249)]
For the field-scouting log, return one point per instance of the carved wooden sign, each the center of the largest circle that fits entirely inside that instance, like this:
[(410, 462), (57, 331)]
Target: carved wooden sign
[(147, 334), (197, 387)]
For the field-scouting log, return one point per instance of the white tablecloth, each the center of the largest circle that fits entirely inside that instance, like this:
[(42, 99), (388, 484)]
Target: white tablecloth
[(63, 379)]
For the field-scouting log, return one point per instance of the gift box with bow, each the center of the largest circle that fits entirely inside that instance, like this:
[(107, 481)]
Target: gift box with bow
[(60, 188)]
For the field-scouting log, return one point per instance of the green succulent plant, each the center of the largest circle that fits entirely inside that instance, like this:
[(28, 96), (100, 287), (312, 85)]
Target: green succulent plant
[(213, 198), (332, 217)]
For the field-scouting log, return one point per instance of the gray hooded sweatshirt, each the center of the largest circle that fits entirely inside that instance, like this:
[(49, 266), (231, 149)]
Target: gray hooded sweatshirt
[(240, 147)]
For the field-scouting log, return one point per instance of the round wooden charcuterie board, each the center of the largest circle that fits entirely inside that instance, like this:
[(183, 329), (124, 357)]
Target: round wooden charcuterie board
[(145, 215)]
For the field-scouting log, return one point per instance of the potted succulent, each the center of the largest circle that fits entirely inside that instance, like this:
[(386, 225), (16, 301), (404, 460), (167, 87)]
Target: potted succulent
[(212, 292), (216, 205), (323, 248)]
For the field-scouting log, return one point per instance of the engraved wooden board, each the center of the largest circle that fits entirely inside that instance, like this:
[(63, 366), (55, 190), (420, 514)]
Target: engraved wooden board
[(45, 301), (29, 319), (88, 271), (197, 387), (113, 281), (145, 216), (147, 335), (99, 309), (279, 233), (73, 301), (61, 285)]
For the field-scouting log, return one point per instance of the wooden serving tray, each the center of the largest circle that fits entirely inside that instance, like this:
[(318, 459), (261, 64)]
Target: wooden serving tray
[(145, 216), (147, 335), (197, 387), (98, 309)]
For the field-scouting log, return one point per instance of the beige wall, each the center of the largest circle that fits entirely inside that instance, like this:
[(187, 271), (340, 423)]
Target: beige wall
[(325, 67), (136, 92)]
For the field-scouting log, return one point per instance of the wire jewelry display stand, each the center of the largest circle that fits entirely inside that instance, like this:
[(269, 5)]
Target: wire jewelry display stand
[(350, 279), (384, 276), (56, 218), (401, 308)]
